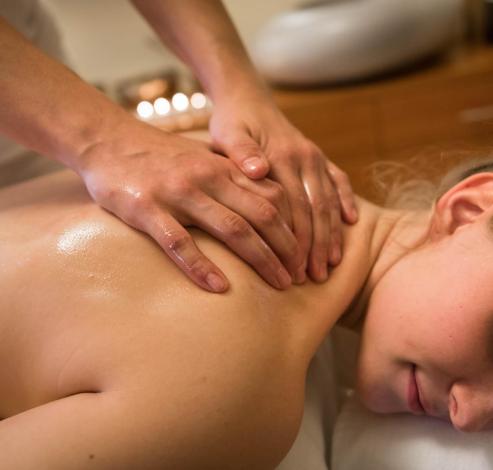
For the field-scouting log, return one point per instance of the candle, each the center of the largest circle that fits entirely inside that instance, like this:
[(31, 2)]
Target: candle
[(180, 101), (198, 100), (162, 106), (145, 110)]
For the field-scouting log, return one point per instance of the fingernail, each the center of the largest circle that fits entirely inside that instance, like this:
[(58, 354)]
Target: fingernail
[(215, 282), (283, 278), (322, 273), (354, 214), (252, 164)]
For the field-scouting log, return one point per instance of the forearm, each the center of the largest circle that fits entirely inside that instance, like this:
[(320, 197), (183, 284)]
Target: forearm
[(47, 107), (203, 36)]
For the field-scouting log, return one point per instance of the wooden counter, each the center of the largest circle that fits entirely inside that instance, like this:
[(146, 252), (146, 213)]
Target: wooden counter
[(446, 104)]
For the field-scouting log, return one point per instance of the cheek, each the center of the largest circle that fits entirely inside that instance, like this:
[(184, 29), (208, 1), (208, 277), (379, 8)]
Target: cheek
[(422, 311), (408, 304), (380, 383), (392, 312), (390, 337)]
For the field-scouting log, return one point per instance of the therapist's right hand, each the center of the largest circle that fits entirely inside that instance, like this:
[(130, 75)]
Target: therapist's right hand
[(160, 183)]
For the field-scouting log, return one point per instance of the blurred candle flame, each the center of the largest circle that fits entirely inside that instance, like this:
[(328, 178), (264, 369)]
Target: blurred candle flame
[(198, 100), (180, 101), (162, 106), (145, 109)]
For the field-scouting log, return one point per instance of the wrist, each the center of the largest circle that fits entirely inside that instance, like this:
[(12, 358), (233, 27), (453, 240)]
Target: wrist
[(243, 94), (242, 85), (92, 134), (126, 138)]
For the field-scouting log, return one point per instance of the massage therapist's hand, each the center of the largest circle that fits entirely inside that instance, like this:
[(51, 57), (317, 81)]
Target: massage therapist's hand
[(159, 183), (255, 134)]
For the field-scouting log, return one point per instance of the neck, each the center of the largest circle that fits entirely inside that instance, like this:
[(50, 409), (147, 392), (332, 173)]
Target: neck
[(395, 233)]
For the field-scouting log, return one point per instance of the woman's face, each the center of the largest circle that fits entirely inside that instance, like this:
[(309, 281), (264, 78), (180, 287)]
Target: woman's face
[(433, 309)]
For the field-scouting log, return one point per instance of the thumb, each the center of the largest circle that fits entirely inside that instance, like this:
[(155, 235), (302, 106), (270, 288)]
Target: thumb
[(246, 153)]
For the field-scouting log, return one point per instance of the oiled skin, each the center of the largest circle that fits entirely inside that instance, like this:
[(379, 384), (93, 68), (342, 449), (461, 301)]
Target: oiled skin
[(112, 358)]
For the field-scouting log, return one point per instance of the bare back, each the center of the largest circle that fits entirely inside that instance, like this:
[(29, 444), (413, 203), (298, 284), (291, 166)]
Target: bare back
[(90, 305)]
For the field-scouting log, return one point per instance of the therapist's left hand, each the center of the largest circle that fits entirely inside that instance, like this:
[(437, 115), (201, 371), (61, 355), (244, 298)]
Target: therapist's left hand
[(254, 133)]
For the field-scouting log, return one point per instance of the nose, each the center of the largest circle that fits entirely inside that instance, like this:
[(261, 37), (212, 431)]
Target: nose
[(470, 410)]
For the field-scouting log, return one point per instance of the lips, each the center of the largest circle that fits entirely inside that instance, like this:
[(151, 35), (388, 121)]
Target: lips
[(413, 394)]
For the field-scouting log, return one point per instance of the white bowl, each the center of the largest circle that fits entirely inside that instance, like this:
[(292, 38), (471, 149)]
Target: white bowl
[(353, 39)]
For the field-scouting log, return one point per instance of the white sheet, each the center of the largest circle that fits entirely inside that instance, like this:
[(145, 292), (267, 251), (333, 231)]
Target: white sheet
[(311, 450), (366, 441)]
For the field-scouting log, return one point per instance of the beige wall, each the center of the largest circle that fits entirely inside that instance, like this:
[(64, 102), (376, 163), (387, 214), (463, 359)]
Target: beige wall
[(107, 40)]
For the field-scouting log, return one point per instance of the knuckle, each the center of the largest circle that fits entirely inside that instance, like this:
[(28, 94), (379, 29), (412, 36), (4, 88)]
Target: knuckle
[(267, 213), (312, 152), (321, 206), (198, 269), (301, 201), (346, 182), (341, 175), (318, 163), (235, 226), (176, 241), (140, 202), (173, 183), (136, 205), (106, 193), (336, 172), (330, 193), (181, 188), (204, 172), (277, 193), (284, 157), (319, 153), (309, 148)]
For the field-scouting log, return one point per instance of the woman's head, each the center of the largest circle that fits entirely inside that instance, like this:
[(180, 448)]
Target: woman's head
[(430, 315)]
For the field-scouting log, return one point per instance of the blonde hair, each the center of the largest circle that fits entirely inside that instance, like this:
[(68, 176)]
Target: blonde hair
[(419, 183)]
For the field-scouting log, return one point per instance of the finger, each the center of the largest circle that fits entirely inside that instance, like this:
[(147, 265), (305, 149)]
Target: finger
[(267, 189), (240, 147), (232, 229), (180, 247), (267, 221), (301, 215), (321, 221), (335, 250), (345, 192)]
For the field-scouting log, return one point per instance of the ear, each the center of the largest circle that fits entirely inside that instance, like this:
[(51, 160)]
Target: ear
[(463, 204)]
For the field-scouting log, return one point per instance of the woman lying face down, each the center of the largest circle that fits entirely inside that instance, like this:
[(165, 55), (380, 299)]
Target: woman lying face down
[(427, 337), (123, 363)]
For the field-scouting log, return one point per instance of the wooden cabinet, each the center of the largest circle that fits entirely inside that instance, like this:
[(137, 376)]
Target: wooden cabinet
[(341, 128), (459, 109), (445, 104)]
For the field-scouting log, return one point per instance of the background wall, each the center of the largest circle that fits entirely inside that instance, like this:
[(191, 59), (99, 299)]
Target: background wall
[(107, 40)]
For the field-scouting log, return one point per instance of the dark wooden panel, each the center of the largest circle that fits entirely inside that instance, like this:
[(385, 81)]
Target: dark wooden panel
[(459, 110)]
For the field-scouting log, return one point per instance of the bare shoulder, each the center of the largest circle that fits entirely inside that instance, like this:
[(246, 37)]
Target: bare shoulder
[(93, 305), (96, 295)]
